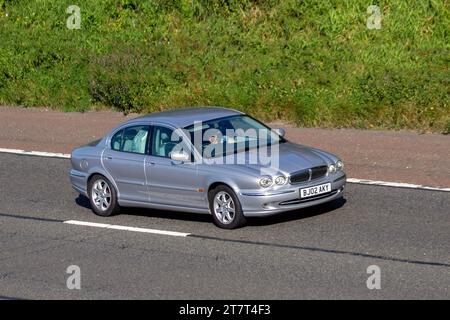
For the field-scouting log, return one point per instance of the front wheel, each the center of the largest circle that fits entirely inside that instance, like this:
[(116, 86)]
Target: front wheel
[(102, 196), (226, 208)]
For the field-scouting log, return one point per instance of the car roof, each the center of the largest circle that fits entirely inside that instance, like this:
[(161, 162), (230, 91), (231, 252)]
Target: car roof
[(182, 117)]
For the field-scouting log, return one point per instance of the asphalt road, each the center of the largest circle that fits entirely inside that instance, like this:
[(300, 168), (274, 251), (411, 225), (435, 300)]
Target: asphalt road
[(322, 252)]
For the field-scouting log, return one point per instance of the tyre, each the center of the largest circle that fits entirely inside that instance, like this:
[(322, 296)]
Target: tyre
[(102, 196), (226, 208)]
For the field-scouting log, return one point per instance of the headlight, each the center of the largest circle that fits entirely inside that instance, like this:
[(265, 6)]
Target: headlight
[(331, 168), (265, 182), (339, 165), (280, 180)]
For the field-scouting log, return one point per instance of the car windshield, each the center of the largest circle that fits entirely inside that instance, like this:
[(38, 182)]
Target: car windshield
[(224, 136)]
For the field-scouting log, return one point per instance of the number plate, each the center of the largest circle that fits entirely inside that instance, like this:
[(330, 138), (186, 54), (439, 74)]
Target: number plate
[(315, 191)]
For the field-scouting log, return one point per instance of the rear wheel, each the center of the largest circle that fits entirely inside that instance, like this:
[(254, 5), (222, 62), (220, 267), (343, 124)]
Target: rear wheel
[(226, 208), (102, 196)]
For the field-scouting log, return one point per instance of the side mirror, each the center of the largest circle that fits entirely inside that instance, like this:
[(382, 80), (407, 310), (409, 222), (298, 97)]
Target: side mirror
[(281, 132), (179, 156)]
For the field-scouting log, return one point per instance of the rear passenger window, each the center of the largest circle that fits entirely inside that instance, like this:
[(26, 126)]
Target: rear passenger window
[(132, 139)]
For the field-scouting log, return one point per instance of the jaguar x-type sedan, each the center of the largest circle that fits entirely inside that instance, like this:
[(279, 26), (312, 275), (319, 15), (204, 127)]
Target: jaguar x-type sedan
[(205, 160)]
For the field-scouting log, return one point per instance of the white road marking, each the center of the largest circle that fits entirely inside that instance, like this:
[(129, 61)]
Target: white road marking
[(125, 228), (350, 180), (36, 153), (395, 184)]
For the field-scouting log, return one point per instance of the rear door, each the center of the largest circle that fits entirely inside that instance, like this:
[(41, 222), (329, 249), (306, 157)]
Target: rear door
[(125, 162)]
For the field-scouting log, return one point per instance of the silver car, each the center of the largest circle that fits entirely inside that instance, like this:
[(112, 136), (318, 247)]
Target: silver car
[(205, 160)]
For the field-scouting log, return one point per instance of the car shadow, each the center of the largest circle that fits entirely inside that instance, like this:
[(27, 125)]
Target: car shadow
[(167, 214), (299, 214), (83, 201)]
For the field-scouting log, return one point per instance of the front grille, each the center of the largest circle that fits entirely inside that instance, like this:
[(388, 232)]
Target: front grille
[(308, 174), (318, 172), (300, 176)]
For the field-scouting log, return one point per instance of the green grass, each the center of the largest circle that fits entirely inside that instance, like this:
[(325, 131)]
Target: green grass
[(311, 62)]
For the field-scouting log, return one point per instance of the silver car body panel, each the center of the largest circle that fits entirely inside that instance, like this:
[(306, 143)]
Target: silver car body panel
[(159, 183)]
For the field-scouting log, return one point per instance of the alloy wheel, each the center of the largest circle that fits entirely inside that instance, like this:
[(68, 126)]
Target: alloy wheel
[(224, 207), (101, 195)]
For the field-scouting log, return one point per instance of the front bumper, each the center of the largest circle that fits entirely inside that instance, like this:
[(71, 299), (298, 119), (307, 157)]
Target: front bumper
[(258, 204)]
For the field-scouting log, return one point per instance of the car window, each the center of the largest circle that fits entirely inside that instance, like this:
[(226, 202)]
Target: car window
[(162, 143), (116, 141), (233, 134), (131, 139)]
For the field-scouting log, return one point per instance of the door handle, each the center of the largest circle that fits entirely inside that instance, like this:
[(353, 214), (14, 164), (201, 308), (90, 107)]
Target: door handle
[(151, 163), (108, 158)]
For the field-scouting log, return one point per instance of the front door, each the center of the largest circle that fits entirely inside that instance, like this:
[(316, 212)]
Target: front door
[(170, 182)]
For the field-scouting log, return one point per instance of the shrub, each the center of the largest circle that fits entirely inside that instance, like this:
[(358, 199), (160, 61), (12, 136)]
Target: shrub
[(311, 62)]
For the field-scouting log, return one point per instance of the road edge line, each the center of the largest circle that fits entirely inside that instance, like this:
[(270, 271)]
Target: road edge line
[(395, 184), (36, 153)]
